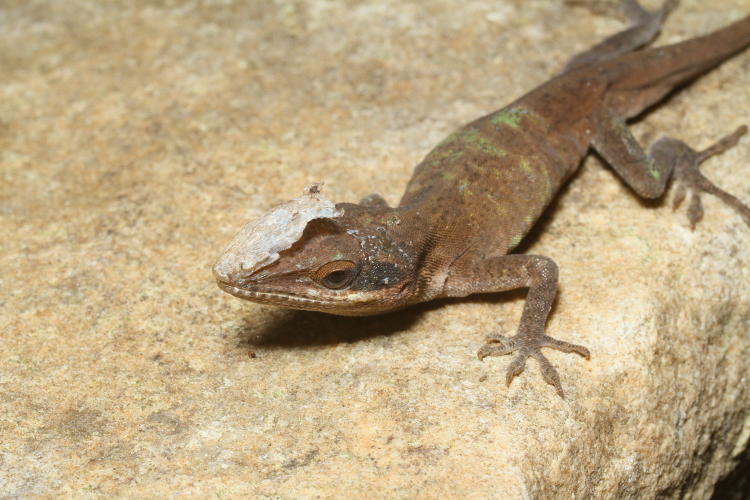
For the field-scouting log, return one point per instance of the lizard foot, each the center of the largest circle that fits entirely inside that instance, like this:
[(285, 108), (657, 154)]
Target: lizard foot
[(530, 346), (688, 175)]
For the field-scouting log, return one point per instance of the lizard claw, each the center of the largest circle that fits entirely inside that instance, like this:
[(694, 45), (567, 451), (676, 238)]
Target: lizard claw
[(546, 341), (530, 346), (516, 367), (549, 374)]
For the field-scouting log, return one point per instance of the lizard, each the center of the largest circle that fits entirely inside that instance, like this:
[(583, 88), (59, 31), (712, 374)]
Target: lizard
[(475, 196)]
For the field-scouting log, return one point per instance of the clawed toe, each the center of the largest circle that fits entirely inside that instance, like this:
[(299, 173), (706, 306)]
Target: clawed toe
[(497, 346), (549, 373), (695, 210), (516, 367), (564, 346)]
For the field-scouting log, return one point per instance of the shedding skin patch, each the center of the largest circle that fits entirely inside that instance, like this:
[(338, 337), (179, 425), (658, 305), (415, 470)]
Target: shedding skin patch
[(259, 242)]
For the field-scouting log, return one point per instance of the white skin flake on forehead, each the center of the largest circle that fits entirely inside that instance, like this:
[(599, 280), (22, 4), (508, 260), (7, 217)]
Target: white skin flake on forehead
[(259, 242)]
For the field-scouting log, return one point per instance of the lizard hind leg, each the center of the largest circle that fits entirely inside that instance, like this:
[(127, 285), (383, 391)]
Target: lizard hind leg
[(686, 163), (644, 27)]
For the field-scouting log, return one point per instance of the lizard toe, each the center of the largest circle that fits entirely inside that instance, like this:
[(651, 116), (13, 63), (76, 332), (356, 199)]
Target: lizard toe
[(549, 373), (516, 366), (553, 343), (695, 210), (497, 346)]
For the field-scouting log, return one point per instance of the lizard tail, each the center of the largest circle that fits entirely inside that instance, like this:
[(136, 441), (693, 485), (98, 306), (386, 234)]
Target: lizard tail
[(661, 69), (671, 65)]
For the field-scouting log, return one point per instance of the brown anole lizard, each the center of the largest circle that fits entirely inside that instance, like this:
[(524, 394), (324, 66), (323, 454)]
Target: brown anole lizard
[(476, 195)]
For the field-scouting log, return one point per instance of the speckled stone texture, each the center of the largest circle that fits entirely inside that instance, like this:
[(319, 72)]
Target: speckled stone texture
[(137, 136)]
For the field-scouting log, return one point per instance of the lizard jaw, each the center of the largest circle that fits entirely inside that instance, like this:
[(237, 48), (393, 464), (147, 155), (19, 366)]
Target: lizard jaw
[(273, 298), (349, 304)]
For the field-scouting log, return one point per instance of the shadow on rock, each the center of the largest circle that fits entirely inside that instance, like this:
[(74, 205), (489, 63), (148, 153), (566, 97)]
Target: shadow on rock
[(289, 328), (285, 328)]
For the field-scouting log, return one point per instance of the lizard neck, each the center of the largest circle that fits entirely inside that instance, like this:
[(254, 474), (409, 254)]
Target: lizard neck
[(433, 230)]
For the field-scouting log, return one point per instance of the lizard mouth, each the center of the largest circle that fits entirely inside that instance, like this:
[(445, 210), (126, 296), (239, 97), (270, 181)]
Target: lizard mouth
[(345, 305), (274, 297)]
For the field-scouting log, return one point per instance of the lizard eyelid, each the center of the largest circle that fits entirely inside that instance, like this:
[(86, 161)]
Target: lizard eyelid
[(336, 274)]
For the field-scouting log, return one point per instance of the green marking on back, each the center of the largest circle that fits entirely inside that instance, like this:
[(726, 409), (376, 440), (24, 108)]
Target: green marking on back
[(526, 166), (448, 174), (465, 134), (499, 207), (463, 188), (516, 240), (536, 170), (510, 116), (467, 137), (486, 146), (440, 155)]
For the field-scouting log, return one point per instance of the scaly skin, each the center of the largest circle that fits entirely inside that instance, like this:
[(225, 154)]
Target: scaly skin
[(476, 195)]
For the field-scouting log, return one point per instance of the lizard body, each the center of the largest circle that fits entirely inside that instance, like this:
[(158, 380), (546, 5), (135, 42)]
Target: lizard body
[(477, 194)]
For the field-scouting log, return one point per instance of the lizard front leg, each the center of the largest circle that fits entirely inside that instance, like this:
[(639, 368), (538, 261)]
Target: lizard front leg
[(510, 272), (648, 173)]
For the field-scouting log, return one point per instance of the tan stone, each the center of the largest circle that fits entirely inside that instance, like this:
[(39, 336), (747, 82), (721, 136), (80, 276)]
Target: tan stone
[(136, 137)]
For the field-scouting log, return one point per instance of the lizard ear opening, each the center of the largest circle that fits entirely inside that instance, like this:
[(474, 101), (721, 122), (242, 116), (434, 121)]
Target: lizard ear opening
[(336, 274)]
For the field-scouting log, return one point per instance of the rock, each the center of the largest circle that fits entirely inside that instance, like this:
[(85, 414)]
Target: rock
[(135, 140)]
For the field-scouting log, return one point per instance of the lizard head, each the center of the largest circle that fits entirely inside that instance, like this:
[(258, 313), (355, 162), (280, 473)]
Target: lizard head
[(309, 254)]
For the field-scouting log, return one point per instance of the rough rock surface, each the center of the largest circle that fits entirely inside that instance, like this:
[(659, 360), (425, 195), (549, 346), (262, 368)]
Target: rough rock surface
[(137, 136)]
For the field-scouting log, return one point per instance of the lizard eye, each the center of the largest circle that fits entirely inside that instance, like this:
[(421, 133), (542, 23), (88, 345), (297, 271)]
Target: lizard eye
[(336, 274)]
